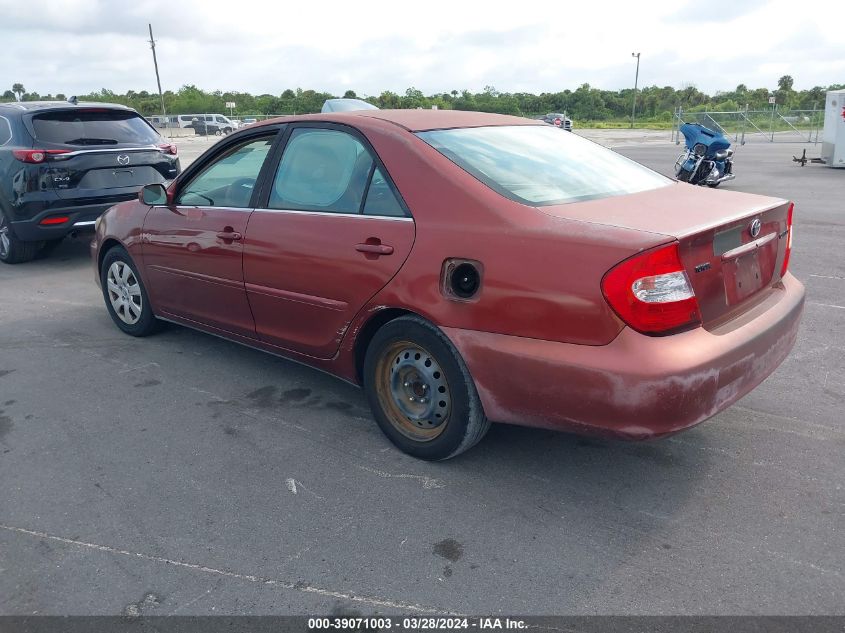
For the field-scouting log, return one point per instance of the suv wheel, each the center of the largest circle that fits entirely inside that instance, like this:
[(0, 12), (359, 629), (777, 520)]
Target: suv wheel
[(421, 392), (13, 250)]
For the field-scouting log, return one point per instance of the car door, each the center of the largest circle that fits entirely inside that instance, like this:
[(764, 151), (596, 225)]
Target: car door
[(331, 231), (193, 248)]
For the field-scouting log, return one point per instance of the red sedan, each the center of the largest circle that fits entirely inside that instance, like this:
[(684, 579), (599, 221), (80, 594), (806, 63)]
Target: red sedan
[(465, 268)]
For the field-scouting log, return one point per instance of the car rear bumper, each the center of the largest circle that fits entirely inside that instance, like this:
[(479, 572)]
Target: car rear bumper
[(637, 386), (80, 218)]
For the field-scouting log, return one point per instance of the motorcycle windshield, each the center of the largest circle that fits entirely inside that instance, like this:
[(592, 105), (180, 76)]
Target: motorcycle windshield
[(695, 133)]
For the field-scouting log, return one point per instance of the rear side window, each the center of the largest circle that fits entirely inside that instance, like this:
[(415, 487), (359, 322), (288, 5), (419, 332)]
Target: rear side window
[(5, 131), (93, 127), (322, 170), (381, 200)]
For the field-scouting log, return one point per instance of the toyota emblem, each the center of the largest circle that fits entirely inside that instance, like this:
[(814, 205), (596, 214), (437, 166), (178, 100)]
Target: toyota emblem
[(755, 227), (123, 159)]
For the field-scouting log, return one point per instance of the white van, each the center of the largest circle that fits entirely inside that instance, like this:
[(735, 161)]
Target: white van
[(208, 123)]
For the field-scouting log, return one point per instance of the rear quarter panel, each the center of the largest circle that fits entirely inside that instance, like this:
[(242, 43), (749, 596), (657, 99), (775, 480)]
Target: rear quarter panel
[(541, 275)]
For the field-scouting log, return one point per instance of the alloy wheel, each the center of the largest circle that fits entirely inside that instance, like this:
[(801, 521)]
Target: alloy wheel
[(5, 244), (124, 292)]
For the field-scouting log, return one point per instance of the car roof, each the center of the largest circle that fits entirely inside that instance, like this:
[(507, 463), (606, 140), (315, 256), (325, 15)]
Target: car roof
[(414, 120), (35, 106)]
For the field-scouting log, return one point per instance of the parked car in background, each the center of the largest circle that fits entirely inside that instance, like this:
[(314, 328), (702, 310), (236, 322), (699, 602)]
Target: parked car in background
[(248, 121), (62, 164), (346, 105), (558, 120), (208, 124), (465, 267)]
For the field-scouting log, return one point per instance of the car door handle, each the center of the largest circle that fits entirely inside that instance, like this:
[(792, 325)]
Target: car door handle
[(229, 235), (375, 249)]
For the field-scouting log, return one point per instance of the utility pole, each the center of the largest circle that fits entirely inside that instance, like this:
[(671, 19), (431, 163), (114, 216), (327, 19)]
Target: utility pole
[(158, 80), (636, 78)]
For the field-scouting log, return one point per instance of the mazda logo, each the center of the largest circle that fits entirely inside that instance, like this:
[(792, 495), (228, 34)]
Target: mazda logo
[(123, 159), (755, 227)]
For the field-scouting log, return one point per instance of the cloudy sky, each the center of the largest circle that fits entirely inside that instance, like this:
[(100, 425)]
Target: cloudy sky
[(76, 46)]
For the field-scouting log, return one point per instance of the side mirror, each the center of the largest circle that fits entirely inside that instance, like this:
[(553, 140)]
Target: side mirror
[(153, 195)]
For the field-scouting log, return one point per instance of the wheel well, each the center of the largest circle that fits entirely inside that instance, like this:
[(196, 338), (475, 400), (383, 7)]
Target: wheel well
[(105, 248), (368, 331)]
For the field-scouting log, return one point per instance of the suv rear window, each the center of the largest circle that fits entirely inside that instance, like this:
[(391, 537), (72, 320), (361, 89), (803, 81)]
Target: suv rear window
[(538, 165), (93, 127)]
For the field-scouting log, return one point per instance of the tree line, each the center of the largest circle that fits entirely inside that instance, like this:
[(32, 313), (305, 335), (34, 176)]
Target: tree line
[(585, 103)]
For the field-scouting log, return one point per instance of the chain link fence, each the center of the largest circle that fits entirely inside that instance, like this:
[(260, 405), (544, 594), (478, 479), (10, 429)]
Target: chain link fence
[(774, 125)]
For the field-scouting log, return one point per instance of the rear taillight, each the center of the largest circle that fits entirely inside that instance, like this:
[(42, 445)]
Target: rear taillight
[(168, 148), (652, 293), (36, 155), (788, 250)]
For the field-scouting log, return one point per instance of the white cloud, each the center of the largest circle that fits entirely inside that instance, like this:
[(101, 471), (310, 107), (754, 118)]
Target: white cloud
[(75, 46)]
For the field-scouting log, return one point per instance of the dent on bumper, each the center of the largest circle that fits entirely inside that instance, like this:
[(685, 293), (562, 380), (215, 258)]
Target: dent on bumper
[(637, 386)]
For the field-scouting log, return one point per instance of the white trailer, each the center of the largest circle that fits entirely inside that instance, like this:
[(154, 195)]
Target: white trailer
[(833, 140)]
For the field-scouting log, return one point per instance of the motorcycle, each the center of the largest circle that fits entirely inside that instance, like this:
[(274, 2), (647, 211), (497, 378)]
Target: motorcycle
[(708, 159)]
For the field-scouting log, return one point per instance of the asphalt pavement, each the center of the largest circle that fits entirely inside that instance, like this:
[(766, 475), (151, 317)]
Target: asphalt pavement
[(186, 474)]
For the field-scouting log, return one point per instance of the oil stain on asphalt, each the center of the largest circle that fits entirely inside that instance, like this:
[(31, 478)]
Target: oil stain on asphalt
[(450, 549)]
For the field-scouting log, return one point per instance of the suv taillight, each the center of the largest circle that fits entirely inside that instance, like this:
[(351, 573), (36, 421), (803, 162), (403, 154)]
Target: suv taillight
[(168, 148), (36, 155), (652, 293), (788, 251)]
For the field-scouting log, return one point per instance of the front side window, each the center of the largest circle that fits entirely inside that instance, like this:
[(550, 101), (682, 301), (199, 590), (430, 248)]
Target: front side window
[(538, 165), (230, 179), (322, 170)]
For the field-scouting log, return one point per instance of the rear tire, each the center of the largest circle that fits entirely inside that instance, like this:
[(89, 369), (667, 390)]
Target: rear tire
[(125, 295), (421, 392), (13, 250)]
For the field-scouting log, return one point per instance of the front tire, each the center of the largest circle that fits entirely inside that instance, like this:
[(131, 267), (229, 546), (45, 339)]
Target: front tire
[(125, 296), (421, 392)]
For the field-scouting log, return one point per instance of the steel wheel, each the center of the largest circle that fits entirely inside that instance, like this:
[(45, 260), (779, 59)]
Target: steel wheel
[(124, 293), (413, 391)]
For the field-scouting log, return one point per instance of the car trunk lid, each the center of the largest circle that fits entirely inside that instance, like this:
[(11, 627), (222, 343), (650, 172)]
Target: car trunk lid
[(732, 245)]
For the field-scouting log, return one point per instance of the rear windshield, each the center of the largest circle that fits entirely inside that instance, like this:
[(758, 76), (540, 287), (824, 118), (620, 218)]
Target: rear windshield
[(93, 127), (540, 165)]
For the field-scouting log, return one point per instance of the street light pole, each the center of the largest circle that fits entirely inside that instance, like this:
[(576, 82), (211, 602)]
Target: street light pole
[(636, 79)]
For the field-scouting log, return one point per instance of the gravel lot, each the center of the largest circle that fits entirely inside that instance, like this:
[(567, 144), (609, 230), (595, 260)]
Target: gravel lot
[(186, 474)]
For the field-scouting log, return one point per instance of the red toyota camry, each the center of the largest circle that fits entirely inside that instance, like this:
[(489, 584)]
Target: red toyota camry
[(465, 268)]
